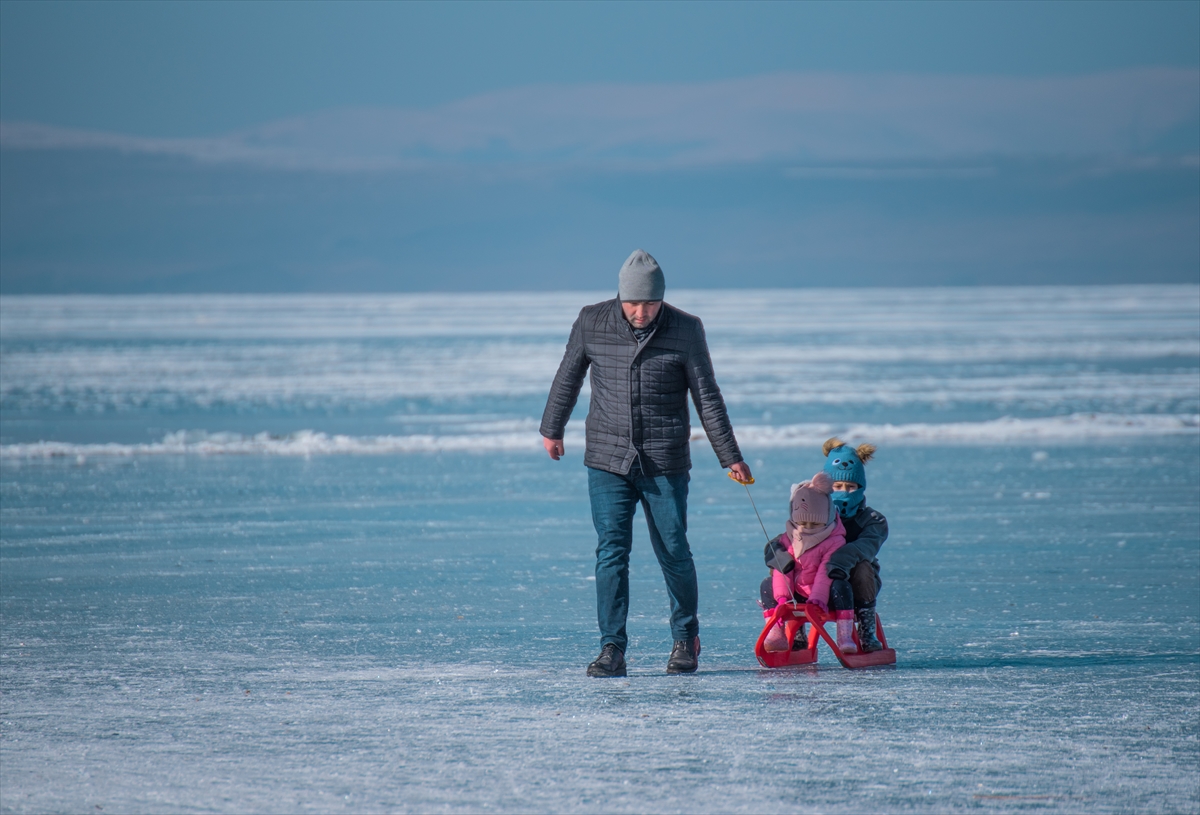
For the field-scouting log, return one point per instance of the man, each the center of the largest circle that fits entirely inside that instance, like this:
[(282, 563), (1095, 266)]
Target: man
[(645, 358)]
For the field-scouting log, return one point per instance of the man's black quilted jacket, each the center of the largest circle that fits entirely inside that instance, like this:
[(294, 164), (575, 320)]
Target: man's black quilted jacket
[(639, 392)]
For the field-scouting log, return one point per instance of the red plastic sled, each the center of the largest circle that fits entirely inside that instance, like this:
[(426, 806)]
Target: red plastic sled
[(793, 616)]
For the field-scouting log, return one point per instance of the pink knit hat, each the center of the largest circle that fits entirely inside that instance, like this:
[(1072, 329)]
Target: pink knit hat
[(810, 500)]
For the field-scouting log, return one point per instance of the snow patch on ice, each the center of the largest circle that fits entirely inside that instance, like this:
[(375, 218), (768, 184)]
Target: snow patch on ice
[(490, 437), (1076, 427)]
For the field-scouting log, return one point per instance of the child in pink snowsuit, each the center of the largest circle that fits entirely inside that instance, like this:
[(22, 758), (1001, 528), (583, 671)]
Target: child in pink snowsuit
[(814, 533)]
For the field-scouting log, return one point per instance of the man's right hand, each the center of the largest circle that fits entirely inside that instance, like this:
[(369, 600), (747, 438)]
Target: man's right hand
[(554, 447), (740, 473)]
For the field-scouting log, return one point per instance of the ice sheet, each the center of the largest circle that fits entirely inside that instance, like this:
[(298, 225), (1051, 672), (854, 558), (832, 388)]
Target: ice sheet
[(993, 352), (304, 554), (353, 634)]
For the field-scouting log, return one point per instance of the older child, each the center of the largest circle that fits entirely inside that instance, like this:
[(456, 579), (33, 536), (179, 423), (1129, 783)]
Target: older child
[(854, 568), (814, 533)]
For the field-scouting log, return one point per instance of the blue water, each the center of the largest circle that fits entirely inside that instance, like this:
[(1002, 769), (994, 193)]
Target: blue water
[(280, 554)]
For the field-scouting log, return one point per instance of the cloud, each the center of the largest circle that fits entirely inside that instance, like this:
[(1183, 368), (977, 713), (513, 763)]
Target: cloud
[(818, 121), (902, 173)]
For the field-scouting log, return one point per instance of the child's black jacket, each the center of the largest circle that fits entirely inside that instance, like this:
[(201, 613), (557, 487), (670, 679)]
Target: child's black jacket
[(865, 533)]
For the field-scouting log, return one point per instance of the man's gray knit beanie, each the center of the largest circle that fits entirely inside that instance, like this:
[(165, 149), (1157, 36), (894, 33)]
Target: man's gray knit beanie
[(641, 278)]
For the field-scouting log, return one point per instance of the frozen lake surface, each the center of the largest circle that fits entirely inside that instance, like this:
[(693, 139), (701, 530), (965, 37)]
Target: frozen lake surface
[(275, 554)]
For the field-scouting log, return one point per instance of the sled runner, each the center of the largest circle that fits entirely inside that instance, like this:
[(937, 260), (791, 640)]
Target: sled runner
[(793, 616)]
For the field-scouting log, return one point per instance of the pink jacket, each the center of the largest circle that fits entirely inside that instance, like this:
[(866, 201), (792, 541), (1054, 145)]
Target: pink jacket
[(809, 579)]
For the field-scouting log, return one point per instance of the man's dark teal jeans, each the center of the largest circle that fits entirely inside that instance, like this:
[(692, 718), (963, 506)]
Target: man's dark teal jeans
[(664, 503)]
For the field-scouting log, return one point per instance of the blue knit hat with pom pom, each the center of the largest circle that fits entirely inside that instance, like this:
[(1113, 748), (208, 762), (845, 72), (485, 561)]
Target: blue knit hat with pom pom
[(844, 463)]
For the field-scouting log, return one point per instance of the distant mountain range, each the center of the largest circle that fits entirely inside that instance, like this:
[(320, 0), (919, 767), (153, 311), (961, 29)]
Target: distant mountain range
[(788, 179)]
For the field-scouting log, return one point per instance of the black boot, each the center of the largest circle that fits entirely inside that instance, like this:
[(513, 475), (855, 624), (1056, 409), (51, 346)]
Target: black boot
[(683, 656), (866, 629), (611, 662), (801, 641)]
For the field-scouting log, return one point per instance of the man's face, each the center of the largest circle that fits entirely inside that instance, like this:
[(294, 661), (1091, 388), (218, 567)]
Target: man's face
[(640, 313)]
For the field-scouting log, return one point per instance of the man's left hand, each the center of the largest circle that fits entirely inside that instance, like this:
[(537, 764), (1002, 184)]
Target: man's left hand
[(741, 472)]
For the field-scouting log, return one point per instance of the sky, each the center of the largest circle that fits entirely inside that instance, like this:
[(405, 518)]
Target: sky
[(532, 146)]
